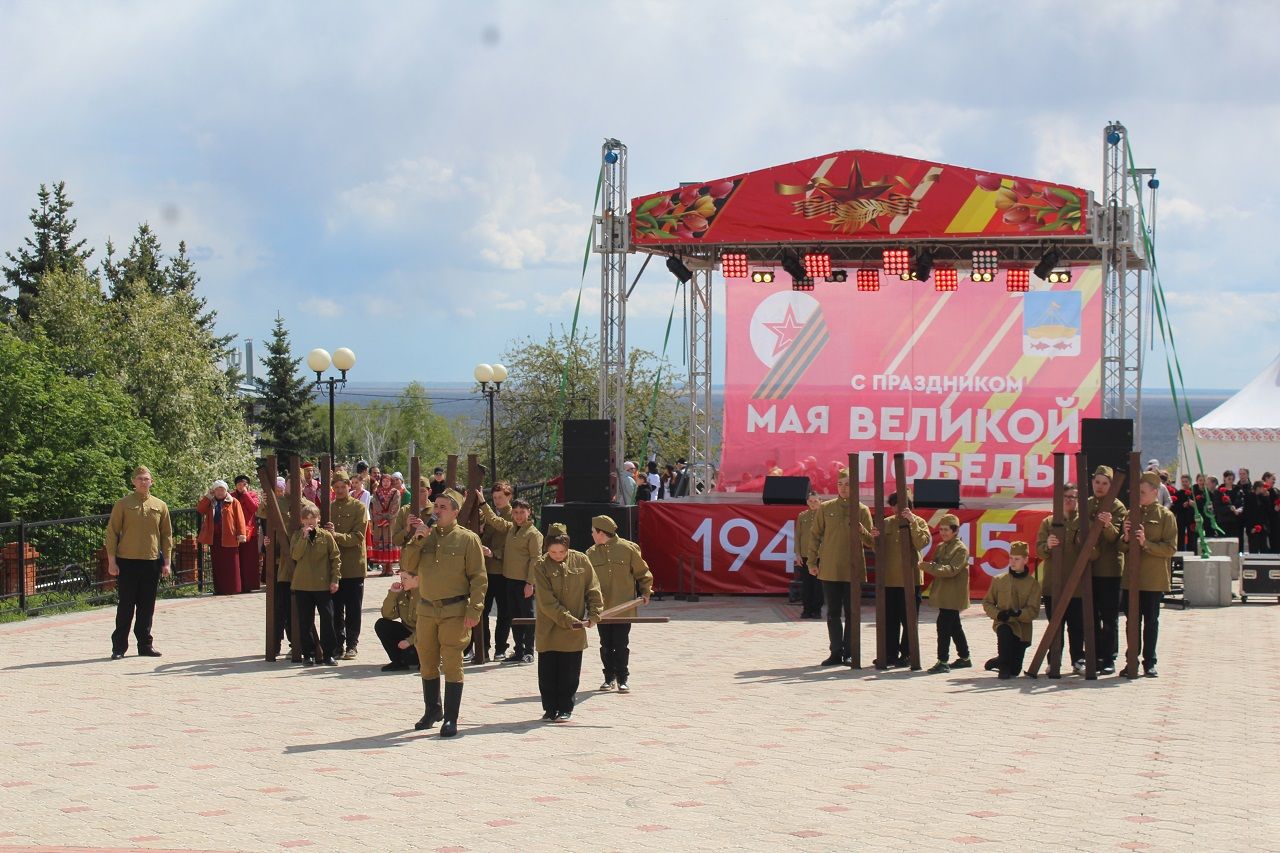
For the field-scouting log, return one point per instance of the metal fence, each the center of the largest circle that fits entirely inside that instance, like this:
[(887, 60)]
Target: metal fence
[(537, 494), (66, 567)]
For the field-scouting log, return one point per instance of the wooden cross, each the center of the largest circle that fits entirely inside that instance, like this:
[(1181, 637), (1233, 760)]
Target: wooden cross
[(882, 644), (1085, 584), (295, 522), (910, 562), (857, 563), (415, 487), (1059, 530), (1132, 562), (469, 517), (326, 475), (267, 473)]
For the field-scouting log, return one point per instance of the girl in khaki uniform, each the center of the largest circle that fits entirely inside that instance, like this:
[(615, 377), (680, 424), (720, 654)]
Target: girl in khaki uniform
[(949, 593), (568, 600)]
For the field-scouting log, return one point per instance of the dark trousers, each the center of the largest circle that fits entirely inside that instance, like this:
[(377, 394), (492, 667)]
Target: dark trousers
[(309, 605), (839, 635), (518, 607), (1106, 610), (1186, 533), (347, 602), (558, 674), (136, 586), (615, 652), (283, 613), (1149, 624), (1010, 650), (1075, 626), (390, 632), (895, 631), (811, 594), (495, 598), (949, 629)]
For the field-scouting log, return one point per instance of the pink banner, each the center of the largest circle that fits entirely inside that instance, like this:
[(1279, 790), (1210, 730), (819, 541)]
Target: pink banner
[(977, 384)]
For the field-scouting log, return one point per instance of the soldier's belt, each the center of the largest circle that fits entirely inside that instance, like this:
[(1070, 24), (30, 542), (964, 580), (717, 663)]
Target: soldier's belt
[(444, 602)]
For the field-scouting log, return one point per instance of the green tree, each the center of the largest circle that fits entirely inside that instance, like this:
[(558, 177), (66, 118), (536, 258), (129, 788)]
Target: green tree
[(68, 450), (529, 403), (381, 431), (287, 413), (53, 248)]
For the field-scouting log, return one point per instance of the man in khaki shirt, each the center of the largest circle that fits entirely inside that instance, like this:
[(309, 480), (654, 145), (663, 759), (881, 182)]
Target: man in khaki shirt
[(138, 541)]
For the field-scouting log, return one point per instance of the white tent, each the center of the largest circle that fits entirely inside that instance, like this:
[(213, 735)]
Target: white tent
[(1244, 432)]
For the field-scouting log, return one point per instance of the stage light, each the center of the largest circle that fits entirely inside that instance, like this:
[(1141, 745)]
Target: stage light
[(679, 270), (1017, 281), (1059, 276), (802, 283), (868, 280), (817, 265), (762, 276), (985, 261), (1048, 261), (611, 157), (924, 264), (1154, 183), (896, 261), (790, 262), (1113, 137), (982, 276), (946, 280), (733, 265), (838, 276)]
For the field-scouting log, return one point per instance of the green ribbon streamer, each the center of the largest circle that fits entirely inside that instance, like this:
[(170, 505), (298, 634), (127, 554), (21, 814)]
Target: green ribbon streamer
[(657, 380)]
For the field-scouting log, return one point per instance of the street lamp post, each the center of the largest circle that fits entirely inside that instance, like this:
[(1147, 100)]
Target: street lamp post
[(319, 361), (491, 377)]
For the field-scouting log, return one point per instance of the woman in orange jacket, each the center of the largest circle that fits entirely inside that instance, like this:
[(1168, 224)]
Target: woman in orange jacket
[(222, 529)]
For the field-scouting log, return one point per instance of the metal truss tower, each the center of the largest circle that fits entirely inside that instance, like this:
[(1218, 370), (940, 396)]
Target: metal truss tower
[(612, 242), (1124, 261), (699, 459)]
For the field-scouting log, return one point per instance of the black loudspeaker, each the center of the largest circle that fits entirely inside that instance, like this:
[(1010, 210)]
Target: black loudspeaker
[(588, 461), (577, 518), (786, 490), (1106, 441), (936, 494)]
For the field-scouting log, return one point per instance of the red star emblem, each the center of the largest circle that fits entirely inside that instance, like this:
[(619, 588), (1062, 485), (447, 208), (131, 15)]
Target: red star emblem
[(787, 331)]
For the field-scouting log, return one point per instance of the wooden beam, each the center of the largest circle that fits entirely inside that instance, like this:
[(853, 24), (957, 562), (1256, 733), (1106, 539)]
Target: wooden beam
[(1059, 530), (1133, 561), (1085, 583), (267, 480), (469, 517), (882, 645), (612, 620), (295, 521), (415, 490), (857, 564), (326, 478), (910, 562)]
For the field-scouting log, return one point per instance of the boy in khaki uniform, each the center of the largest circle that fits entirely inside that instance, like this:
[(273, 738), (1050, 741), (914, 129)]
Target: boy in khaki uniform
[(349, 521), (521, 547), (1046, 542), (830, 561), (317, 568), (1106, 570), (567, 592), (498, 597), (895, 601), (810, 586), (449, 563), (622, 572), (1156, 530), (1012, 602), (395, 628), (949, 593)]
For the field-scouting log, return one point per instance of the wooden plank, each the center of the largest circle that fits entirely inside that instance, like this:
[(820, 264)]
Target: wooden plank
[(1077, 572), (415, 487), (857, 564), (882, 645), (469, 517), (1085, 583), (1059, 529), (451, 471), (267, 481), (1133, 560), (326, 478), (910, 562), (295, 516), (612, 620)]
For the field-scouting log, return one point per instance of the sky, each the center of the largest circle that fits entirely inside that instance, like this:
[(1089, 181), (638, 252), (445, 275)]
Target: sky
[(394, 176)]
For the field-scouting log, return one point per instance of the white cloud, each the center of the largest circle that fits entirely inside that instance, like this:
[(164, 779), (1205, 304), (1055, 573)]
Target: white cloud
[(522, 222), (408, 186), (321, 307)]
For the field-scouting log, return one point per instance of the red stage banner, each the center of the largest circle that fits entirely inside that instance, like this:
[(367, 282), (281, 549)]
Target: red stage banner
[(749, 548), (857, 195), (979, 384)]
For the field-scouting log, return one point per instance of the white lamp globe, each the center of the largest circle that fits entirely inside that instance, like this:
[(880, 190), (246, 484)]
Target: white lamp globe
[(484, 373), (499, 373), (344, 359), (318, 360)]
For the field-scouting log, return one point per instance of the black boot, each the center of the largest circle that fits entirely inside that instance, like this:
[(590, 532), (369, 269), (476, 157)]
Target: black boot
[(431, 700), (452, 702)]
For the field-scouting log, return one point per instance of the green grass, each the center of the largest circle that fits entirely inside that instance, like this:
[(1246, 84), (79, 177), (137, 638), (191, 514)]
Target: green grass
[(49, 603)]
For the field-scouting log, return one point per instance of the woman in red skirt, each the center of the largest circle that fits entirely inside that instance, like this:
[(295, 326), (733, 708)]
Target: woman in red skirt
[(250, 562), (382, 516), (222, 529)]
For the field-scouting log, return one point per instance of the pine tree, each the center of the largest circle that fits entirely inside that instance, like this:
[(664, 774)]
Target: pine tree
[(53, 248), (142, 266), (286, 411)]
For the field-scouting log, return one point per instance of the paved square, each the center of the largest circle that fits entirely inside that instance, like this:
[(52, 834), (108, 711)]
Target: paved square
[(731, 740)]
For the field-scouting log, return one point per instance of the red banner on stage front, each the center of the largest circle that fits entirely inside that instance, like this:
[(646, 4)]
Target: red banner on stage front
[(750, 548), (978, 384)]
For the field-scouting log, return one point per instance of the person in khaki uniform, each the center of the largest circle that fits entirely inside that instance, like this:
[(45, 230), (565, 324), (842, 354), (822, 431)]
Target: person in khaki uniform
[(284, 571), (895, 603), (138, 542), (521, 547), (494, 538), (830, 561), (1156, 530), (395, 628), (569, 602), (810, 586), (449, 563), (1106, 570), (1012, 602), (949, 592), (349, 522), (1045, 543), (318, 566), (622, 572)]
